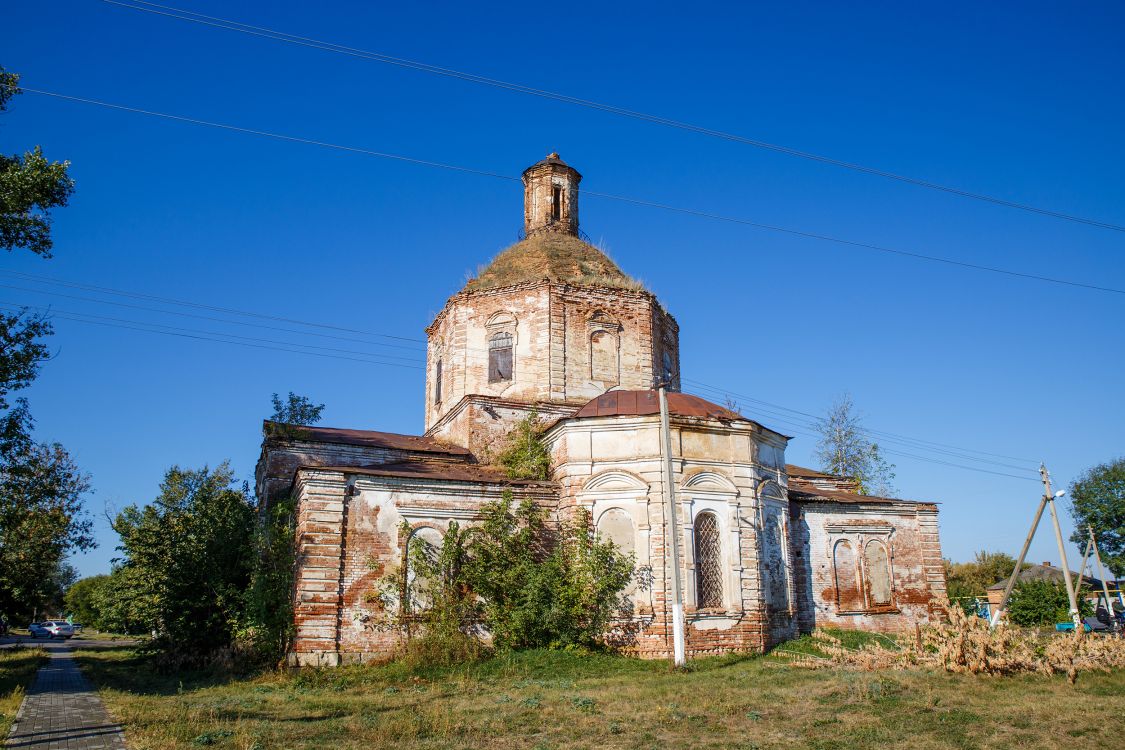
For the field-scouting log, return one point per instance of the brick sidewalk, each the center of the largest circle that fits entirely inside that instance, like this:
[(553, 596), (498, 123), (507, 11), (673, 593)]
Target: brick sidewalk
[(62, 711)]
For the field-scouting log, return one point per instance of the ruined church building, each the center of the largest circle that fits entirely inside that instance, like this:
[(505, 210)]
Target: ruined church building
[(552, 325)]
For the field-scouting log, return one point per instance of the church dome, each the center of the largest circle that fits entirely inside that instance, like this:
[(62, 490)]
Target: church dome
[(554, 256)]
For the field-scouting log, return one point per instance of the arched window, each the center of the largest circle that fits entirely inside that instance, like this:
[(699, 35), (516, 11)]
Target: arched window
[(603, 357), (779, 565), (616, 526), (500, 357), (708, 562), (878, 574), (437, 382), (848, 596), (425, 543)]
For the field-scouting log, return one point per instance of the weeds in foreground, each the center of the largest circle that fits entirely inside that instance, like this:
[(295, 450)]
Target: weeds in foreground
[(965, 644)]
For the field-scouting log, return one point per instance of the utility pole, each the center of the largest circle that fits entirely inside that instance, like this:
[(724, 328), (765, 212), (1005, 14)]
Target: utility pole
[(1101, 573), (1062, 548), (1019, 564), (672, 532)]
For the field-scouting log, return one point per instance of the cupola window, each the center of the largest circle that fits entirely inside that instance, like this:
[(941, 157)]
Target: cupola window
[(500, 357)]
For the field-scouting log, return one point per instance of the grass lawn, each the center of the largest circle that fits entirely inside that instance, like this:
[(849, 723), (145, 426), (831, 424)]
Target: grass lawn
[(540, 700), (17, 669)]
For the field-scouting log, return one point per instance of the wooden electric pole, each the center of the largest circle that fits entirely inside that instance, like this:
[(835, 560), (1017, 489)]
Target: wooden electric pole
[(1101, 573), (672, 533)]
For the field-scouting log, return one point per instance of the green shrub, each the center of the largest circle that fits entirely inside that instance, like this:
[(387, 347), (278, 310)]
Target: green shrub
[(525, 456), (1036, 603)]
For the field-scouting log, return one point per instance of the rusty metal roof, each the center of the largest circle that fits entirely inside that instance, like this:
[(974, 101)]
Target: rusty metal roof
[(423, 470), (368, 438), (641, 403), (800, 471), (801, 490)]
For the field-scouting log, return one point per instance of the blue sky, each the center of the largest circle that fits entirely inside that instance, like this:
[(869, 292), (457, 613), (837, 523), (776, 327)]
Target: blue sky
[(1020, 101)]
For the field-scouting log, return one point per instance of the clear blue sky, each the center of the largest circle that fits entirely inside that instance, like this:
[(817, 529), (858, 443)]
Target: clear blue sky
[(1018, 100)]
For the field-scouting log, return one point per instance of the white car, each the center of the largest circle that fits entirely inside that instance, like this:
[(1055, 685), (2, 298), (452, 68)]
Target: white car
[(51, 629)]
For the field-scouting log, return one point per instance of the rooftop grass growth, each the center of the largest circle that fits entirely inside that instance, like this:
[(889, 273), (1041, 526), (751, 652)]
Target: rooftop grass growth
[(555, 256)]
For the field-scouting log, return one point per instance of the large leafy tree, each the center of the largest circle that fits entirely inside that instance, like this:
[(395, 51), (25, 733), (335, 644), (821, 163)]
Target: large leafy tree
[(845, 448), (41, 488), (41, 493), (188, 559), (1097, 500), (82, 601), (30, 186)]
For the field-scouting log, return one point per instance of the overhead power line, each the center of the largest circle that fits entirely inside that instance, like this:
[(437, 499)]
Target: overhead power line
[(213, 336), (280, 36), (792, 420), (815, 418), (608, 196)]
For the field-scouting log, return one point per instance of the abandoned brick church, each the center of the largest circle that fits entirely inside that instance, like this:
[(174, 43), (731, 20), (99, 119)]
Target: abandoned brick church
[(552, 325)]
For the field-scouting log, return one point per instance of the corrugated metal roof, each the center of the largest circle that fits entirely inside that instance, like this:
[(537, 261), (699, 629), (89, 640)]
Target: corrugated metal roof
[(642, 403), (421, 470), (368, 438)]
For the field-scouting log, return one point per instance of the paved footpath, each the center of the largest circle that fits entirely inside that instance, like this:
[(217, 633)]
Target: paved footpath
[(62, 711)]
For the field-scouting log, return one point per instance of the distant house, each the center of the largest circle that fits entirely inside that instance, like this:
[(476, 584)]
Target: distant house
[(1091, 587)]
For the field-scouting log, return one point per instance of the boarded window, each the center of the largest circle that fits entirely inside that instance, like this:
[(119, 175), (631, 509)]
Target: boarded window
[(603, 357), (500, 358), (848, 596), (778, 566), (616, 526), (437, 382), (708, 562), (878, 574)]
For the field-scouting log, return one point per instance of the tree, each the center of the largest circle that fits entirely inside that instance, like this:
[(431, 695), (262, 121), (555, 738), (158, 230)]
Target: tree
[(525, 456), (30, 186), (845, 449), (82, 601), (296, 410), (188, 559), (1097, 499), (966, 580), (1039, 602), (41, 516)]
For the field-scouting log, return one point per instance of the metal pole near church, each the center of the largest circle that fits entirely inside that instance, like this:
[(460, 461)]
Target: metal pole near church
[(672, 532)]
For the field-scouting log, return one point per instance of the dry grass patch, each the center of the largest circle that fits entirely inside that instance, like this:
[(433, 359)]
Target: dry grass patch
[(543, 700), (18, 666)]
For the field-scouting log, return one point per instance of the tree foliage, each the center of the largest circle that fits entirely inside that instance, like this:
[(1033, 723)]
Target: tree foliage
[(269, 598), (295, 410), (845, 448), (41, 517), (30, 186), (1097, 499), (1037, 603), (528, 583), (971, 579), (525, 456), (188, 559), (82, 601)]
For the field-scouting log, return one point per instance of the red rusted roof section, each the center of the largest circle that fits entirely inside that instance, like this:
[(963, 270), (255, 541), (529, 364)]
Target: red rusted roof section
[(641, 403), (368, 438)]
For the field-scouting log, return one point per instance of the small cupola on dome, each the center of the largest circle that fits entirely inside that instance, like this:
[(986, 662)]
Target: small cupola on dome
[(550, 197)]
